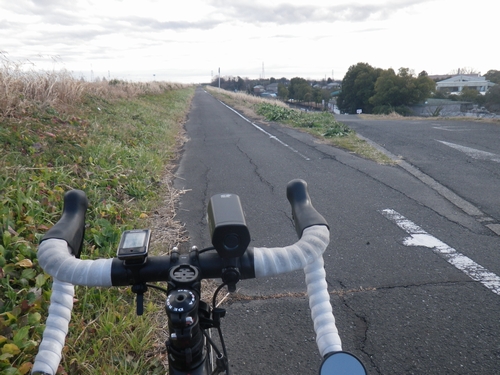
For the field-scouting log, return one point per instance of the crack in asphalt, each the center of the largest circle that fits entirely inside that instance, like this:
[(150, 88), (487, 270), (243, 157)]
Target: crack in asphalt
[(362, 326), (204, 193), (440, 189), (255, 168), (362, 323), (405, 194)]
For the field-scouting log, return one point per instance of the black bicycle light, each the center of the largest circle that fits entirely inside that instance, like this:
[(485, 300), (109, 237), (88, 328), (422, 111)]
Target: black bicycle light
[(226, 222)]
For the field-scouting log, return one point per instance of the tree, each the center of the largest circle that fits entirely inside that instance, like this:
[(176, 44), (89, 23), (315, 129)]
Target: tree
[(282, 92), (357, 88), (425, 86), (240, 84), (387, 92), (468, 94), (395, 92), (466, 70), (493, 76), (299, 90), (492, 99), (317, 95)]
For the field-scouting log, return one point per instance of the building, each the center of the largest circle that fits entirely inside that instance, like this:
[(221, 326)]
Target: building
[(259, 89), (456, 84), (272, 88)]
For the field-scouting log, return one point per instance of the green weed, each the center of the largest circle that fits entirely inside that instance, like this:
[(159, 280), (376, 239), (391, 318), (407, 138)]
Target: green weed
[(320, 124), (116, 151), (323, 123)]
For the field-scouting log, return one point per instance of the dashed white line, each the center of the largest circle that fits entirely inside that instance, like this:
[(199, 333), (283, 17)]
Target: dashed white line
[(267, 133), (472, 152), (419, 237)]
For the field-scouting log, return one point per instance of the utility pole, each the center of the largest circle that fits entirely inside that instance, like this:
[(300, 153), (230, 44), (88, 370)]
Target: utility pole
[(219, 77)]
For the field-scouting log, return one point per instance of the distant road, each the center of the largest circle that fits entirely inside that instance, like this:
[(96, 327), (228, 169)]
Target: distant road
[(413, 278), (462, 155)]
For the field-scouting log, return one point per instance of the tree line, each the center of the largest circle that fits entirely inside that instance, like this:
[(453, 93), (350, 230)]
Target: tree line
[(372, 90), (244, 84), (301, 90)]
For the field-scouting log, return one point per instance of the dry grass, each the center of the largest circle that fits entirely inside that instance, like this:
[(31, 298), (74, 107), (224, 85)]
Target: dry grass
[(242, 102), (390, 116), (244, 98), (237, 297), (51, 117), (24, 90)]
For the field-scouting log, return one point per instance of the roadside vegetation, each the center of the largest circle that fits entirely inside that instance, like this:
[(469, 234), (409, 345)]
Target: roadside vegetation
[(379, 91), (373, 90), (113, 140), (320, 124)]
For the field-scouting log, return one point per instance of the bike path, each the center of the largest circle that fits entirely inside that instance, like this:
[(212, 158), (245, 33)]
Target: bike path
[(401, 309)]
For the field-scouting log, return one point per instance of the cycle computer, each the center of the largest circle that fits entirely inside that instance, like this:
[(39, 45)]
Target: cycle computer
[(134, 245)]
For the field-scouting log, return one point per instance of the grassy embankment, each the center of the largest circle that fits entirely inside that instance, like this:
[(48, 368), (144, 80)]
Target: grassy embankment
[(113, 140), (320, 124)]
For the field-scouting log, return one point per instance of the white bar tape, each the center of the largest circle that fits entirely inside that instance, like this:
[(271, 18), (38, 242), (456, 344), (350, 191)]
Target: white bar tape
[(56, 328), (306, 254), (274, 261), (55, 257), (327, 335)]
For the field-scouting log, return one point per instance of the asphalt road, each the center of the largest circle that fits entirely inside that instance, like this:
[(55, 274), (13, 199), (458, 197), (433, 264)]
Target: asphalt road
[(413, 276), (461, 155)]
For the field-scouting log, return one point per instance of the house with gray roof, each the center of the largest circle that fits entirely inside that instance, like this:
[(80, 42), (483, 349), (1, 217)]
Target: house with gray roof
[(456, 84)]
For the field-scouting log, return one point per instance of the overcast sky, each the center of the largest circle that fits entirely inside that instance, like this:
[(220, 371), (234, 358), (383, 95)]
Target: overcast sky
[(188, 40)]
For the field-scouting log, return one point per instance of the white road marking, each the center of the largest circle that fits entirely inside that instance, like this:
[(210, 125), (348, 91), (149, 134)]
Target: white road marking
[(419, 237), (472, 152), (267, 133), (451, 128)]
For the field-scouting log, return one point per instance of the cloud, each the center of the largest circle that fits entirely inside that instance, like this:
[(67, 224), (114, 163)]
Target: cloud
[(84, 30), (86, 15), (371, 30), (46, 11), (283, 14), (154, 24)]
